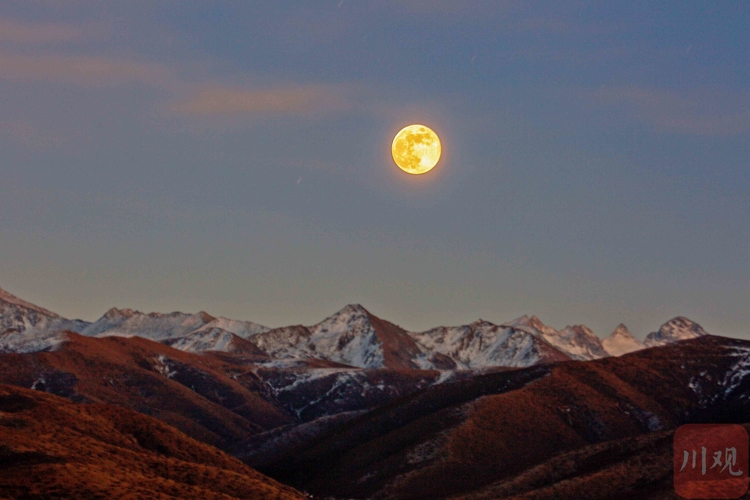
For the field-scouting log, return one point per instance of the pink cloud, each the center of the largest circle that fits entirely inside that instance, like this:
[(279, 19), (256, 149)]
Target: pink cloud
[(82, 70)]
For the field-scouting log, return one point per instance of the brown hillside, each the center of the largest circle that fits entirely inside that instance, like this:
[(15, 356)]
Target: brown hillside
[(454, 439), (191, 392), (53, 448)]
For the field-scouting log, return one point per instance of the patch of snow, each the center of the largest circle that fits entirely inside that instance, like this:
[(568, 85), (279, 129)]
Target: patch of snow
[(154, 326), (741, 369), (162, 366), (31, 340), (214, 339), (243, 329), (482, 344)]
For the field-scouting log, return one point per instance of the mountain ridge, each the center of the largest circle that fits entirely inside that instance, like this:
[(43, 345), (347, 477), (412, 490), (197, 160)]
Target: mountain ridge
[(352, 336)]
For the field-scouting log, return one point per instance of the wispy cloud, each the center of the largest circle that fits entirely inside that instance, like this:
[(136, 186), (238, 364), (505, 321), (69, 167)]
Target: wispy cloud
[(40, 33), (711, 112), (82, 70), (298, 100)]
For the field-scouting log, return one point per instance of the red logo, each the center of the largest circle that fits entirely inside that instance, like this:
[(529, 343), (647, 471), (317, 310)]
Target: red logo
[(711, 461)]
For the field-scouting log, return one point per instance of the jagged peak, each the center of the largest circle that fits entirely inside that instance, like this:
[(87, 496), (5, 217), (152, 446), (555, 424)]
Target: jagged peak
[(580, 329), (482, 323), (676, 329), (349, 310), (205, 317), (115, 313), (353, 309), (520, 321), (683, 323), (621, 331)]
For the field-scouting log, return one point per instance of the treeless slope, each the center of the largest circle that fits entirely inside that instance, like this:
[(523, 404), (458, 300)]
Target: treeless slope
[(189, 391), (458, 438), (637, 467), (53, 448)]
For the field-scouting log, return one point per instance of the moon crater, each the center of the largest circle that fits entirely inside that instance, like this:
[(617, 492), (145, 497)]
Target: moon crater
[(416, 149)]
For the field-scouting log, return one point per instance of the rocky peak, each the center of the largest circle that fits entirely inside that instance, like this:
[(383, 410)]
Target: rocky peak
[(675, 330), (621, 342), (115, 313)]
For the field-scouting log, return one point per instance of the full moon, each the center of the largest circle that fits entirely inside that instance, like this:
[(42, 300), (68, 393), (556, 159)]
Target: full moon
[(416, 149)]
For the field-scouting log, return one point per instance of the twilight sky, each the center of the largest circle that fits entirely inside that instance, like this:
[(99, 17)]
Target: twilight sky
[(233, 157)]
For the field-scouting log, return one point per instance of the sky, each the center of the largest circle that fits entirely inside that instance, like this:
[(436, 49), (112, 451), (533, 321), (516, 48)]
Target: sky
[(234, 157)]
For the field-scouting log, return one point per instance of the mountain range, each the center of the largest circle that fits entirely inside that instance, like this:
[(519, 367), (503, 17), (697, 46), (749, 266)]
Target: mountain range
[(351, 407), (352, 336)]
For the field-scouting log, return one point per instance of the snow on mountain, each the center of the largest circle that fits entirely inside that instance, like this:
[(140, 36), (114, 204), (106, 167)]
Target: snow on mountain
[(288, 342), (154, 326), (621, 342), (12, 300), (483, 344), (31, 340), (348, 337), (244, 329), (353, 337), (578, 341), (674, 330), (25, 327), (19, 315), (213, 339)]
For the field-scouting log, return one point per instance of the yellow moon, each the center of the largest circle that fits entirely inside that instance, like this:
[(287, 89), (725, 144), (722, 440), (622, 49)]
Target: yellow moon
[(416, 149)]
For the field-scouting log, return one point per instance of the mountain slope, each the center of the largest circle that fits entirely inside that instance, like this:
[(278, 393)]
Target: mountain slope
[(154, 326), (52, 448), (243, 329), (621, 342), (215, 339), (483, 344), (353, 337), (458, 438), (675, 330), (18, 316), (578, 342), (198, 394)]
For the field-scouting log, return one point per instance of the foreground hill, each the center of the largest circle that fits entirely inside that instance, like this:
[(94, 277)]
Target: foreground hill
[(191, 392), (218, 398), (52, 448), (464, 437)]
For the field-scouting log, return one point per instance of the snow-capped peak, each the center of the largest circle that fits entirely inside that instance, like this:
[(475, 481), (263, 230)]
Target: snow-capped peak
[(115, 313), (244, 329), (154, 326), (621, 342), (674, 330), (578, 341), (348, 337)]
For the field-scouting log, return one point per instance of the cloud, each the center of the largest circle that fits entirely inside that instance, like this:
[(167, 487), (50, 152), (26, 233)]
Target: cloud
[(82, 70), (709, 112), (298, 100), (39, 33)]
